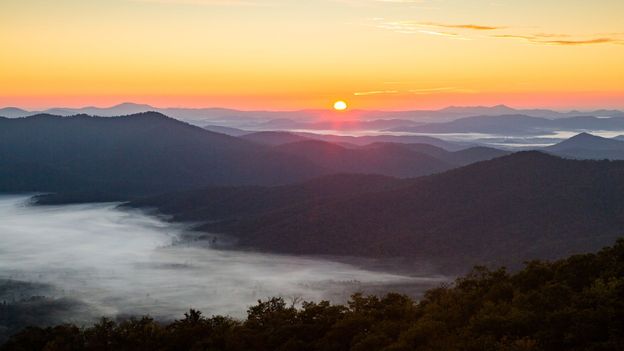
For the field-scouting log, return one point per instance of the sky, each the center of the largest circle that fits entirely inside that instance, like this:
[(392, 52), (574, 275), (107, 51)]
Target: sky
[(298, 54)]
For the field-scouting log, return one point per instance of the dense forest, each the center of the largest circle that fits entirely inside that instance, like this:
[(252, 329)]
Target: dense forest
[(524, 206), (570, 304)]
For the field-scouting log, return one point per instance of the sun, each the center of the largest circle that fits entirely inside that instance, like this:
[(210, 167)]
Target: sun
[(340, 105)]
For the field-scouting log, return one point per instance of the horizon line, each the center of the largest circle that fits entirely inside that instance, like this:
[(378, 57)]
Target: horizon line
[(104, 107)]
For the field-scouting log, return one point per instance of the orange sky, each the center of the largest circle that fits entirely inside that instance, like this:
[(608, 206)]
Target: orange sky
[(293, 54)]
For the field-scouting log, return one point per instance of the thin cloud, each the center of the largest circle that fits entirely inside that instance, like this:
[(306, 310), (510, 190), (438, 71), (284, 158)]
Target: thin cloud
[(460, 26), (543, 39), (433, 32), (513, 36), (427, 91), (410, 27), (551, 35), (581, 42), (419, 91), (376, 92), (208, 2), (401, 1)]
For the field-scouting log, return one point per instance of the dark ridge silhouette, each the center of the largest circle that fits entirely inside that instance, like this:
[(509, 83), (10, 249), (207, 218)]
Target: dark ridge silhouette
[(369, 139), (137, 154), (387, 159), (234, 203), (588, 146), (517, 124), (13, 112), (504, 211), (215, 113), (235, 132), (456, 158), (273, 138), (276, 138), (84, 158), (505, 124)]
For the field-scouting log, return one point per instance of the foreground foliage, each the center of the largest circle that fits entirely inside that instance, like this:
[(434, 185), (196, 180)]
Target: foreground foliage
[(571, 304)]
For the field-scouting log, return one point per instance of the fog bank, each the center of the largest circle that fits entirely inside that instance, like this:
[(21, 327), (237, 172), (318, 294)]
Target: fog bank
[(115, 262)]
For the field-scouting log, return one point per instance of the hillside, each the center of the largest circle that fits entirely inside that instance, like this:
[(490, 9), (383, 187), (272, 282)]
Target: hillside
[(461, 157), (273, 138), (504, 211), (518, 124), (234, 203), (135, 154), (587, 146), (571, 304), (387, 159)]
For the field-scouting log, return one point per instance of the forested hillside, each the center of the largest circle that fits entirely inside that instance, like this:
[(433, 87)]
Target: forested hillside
[(567, 305), (523, 206)]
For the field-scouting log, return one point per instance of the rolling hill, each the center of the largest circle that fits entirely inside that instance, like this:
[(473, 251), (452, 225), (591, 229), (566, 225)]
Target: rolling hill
[(458, 158), (504, 211), (587, 146), (143, 153), (273, 138), (518, 124), (387, 159), (86, 158)]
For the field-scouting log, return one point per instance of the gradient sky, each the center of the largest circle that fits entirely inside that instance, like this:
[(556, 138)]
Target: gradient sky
[(294, 54)]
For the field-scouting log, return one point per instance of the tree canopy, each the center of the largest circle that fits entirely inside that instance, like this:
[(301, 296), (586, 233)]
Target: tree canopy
[(570, 304)]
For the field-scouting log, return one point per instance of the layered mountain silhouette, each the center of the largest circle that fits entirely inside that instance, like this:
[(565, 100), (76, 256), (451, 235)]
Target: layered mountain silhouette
[(283, 137), (202, 116), (518, 124), (587, 146), (513, 208), (136, 154), (274, 138), (87, 158), (388, 159)]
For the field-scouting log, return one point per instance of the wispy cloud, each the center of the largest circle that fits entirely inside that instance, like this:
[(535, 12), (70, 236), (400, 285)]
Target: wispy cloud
[(462, 32), (549, 39), (444, 34), (427, 91), (418, 91), (401, 1), (581, 42), (460, 26), (210, 2), (410, 27), (376, 92)]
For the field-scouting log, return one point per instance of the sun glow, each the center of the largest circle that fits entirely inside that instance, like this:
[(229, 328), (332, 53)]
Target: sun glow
[(340, 105)]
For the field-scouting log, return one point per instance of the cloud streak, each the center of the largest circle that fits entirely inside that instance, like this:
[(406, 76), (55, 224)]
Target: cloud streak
[(460, 26), (376, 92), (553, 39), (547, 39), (208, 2), (410, 27), (418, 91)]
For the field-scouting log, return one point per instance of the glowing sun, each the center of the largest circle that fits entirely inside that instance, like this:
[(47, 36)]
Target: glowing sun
[(340, 105)]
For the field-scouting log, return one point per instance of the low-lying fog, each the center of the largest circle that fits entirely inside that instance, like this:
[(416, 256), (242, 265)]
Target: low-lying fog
[(118, 262)]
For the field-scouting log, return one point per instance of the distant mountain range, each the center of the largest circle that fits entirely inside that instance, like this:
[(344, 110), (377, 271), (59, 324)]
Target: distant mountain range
[(312, 119), (587, 146), (87, 158), (278, 191), (513, 208), (386, 159), (518, 125), (281, 137)]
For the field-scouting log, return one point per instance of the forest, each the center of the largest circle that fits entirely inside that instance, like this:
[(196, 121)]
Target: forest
[(569, 304)]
